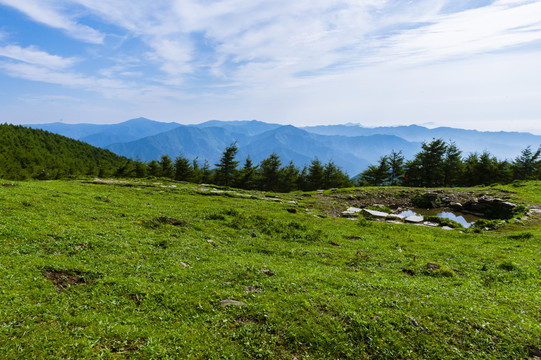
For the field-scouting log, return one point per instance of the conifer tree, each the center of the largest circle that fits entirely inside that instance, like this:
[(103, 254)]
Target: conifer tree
[(226, 168)]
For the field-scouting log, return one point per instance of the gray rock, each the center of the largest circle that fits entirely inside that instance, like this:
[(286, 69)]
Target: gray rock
[(447, 228), (351, 212), (375, 213), (414, 219), (431, 224), (395, 217)]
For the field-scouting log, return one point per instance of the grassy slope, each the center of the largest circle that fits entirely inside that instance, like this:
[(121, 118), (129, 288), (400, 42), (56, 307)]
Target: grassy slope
[(323, 301)]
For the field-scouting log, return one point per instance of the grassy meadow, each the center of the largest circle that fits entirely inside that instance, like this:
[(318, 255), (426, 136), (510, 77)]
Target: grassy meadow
[(151, 269)]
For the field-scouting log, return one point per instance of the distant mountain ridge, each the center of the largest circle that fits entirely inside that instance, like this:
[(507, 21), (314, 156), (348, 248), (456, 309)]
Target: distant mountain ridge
[(351, 147), (502, 144)]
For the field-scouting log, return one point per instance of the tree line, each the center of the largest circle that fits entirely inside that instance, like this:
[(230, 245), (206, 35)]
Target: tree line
[(269, 175), (441, 164), (38, 154)]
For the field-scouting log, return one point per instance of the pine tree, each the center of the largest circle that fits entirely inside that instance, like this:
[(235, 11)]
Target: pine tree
[(527, 165), (226, 168), (183, 169), (269, 173), (166, 167)]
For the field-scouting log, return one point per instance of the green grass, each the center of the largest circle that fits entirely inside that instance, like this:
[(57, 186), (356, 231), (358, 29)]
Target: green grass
[(141, 268)]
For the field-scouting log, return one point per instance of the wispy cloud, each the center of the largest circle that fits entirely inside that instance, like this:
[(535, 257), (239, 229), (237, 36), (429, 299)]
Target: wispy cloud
[(295, 53), (31, 55), (47, 12)]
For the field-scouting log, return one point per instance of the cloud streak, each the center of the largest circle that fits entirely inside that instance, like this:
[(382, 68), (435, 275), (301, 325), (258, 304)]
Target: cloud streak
[(237, 51), (44, 11)]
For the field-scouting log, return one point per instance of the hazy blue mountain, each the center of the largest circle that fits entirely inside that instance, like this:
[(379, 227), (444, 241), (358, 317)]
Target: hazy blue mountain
[(191, 142), (247, 127), (504, 145), (104, 135), (290, 143)]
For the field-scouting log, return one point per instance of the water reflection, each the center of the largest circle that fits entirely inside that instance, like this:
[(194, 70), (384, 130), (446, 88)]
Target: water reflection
[(465, 220)]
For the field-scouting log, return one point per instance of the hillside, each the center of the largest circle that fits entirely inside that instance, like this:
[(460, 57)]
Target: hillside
[(31, 153), (129, 269)]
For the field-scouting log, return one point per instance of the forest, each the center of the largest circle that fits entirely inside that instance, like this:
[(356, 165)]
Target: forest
[(36, 154)]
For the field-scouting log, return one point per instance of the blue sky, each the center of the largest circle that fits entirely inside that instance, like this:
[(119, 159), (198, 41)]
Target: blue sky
[(460, 63)]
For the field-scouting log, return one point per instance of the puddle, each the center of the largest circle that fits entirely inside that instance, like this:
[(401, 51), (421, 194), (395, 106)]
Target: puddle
[(465, 220)]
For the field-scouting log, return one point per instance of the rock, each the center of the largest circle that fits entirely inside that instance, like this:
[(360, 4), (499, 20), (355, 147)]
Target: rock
[(227, 302), (184, 264), (446, 228), (414, 219), (433, 266), (351, 212), (375, 213), (456, 205), (267, 272), (395, 217), (431, 224), (211, 242)]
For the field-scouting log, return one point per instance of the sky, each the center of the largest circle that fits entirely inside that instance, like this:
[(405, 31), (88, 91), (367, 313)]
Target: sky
[(472, 64)]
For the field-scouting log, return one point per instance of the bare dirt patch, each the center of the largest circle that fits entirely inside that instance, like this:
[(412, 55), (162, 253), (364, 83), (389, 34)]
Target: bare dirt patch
[(63, 279)]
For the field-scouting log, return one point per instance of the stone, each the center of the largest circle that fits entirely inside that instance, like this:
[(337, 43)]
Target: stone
[(431, 224), (184, 264), (456, 205), (395, 217), (414, 219), (227, 302), (446, 228), (267, 272), (375, 213), (351, 212)]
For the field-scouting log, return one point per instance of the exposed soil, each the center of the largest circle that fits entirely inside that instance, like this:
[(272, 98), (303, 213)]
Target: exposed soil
[(63, 278), (171, 221)]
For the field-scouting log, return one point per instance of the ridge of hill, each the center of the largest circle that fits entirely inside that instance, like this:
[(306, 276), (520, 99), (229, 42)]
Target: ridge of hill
[(107, 134), (350, 146), (288, 142), (502, 144), (34, 153)]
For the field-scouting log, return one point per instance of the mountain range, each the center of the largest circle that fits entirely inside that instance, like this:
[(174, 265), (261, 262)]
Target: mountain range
[(352, 147)]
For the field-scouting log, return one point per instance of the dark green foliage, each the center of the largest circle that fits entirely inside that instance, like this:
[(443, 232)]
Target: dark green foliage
[(30, 153), (527, 165), (247, 175), (396, 167), (269, 173), (227, 167), (183, 169), (376, 175), (441, 164), (166, 167), (315, 177)]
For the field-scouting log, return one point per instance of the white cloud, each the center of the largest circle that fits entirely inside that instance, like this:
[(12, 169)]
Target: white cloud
[(45, 12), (34, 56), (499, 26)]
